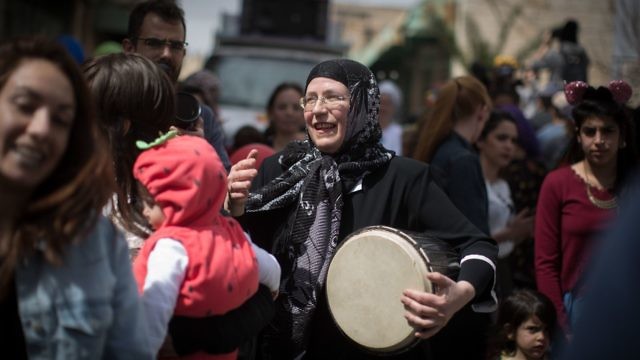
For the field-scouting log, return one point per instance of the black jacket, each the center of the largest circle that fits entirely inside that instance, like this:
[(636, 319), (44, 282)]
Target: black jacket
[(402, 195)]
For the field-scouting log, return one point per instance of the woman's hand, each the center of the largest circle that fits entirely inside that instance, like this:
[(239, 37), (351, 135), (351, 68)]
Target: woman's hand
[(521, 226), (429, 313), (239, 182)]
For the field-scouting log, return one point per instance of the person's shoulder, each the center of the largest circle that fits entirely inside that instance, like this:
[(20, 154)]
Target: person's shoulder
[(560, 173), (561, 176), (453, 149)]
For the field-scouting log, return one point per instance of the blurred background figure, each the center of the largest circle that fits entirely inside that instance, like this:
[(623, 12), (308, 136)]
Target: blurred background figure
[(247, 138), (390, 110), (264, 151), (73, 47), (554, 137), (496, 147), (548, 57), (286, 122), (209, 86), (578, 201), (575, 59), (446, 142), (504, 80), (107, 47)]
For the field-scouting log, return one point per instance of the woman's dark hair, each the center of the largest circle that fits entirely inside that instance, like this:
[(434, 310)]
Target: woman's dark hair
[(270, 131), (248, 134), (495, 119), (66, 203), (516, 309), (458, 99), (135, 101), (600, 103)]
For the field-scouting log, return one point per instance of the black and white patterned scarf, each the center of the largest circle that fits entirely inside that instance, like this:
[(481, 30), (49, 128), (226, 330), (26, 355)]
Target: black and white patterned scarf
[(316, 181)]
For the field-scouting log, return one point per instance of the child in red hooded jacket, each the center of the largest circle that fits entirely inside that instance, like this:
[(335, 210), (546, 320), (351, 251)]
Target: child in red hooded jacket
[(197, 262)]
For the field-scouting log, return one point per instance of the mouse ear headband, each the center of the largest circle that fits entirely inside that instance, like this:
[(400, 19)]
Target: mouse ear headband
[(620, 91)]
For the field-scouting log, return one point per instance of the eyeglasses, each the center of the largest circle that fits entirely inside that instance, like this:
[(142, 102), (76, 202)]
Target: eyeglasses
[(157, 44), (331, 102)]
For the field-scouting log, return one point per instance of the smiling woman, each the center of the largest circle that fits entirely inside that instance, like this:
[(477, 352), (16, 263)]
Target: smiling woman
[(307, 199), (54, 245), (325, 107), (39, 95)]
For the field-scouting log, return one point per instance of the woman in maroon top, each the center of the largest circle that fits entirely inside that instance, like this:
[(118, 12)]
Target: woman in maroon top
[(576, 202)]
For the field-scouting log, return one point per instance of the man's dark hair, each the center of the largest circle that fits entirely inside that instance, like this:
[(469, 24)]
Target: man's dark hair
[(168, 10)]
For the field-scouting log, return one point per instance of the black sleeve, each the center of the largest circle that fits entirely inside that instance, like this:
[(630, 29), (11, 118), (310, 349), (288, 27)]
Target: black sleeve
[(223, 333), (432, 208)]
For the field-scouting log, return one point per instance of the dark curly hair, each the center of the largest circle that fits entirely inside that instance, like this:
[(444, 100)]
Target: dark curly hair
[(600, 103)]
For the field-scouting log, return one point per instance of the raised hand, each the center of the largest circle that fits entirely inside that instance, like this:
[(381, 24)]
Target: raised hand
[(239, 182)]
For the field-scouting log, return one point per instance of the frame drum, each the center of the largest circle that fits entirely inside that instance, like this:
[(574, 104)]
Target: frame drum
[(367, 275)]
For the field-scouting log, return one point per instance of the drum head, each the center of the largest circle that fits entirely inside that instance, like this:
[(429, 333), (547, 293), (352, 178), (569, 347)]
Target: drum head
[(365, 281)]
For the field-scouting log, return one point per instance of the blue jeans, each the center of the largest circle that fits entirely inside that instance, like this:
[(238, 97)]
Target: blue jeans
[(574, 307)]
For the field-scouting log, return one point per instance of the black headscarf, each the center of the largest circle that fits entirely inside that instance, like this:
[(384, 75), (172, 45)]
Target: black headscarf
[(316, 181)]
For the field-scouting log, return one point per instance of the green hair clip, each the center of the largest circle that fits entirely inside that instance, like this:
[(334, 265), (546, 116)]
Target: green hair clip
[(163, 138)]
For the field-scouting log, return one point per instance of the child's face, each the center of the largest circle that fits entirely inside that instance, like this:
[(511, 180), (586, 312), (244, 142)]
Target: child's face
[(154, 214), (532, 339)]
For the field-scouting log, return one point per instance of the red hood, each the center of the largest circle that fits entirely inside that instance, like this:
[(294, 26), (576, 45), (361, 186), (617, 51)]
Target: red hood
[(186, 178)]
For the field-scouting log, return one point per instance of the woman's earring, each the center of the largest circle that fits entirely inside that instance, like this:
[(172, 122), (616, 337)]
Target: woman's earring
[(623, 145)]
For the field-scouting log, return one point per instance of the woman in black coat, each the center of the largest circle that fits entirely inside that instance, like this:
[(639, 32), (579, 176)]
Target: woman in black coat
[(309, 197)]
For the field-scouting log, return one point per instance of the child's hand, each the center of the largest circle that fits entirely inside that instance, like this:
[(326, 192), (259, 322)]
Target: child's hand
[(239, 182)]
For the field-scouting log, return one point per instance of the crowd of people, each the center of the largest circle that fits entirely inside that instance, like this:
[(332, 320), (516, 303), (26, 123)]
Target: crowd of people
[(132, 234)]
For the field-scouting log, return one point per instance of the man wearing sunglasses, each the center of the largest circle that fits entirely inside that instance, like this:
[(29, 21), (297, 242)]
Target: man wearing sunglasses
[(157, 31)]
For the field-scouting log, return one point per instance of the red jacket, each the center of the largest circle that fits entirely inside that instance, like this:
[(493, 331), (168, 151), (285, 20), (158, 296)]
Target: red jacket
[(187, 180)]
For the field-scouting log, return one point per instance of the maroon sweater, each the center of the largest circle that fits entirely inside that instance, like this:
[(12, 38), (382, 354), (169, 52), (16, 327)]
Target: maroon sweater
[(566, 225)]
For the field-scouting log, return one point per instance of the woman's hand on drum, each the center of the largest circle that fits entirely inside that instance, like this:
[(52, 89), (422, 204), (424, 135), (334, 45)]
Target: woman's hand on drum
[(239, 182), (429, 313)]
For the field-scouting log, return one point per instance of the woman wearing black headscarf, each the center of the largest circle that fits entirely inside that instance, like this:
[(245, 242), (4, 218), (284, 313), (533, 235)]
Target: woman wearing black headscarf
[(308, 198)]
